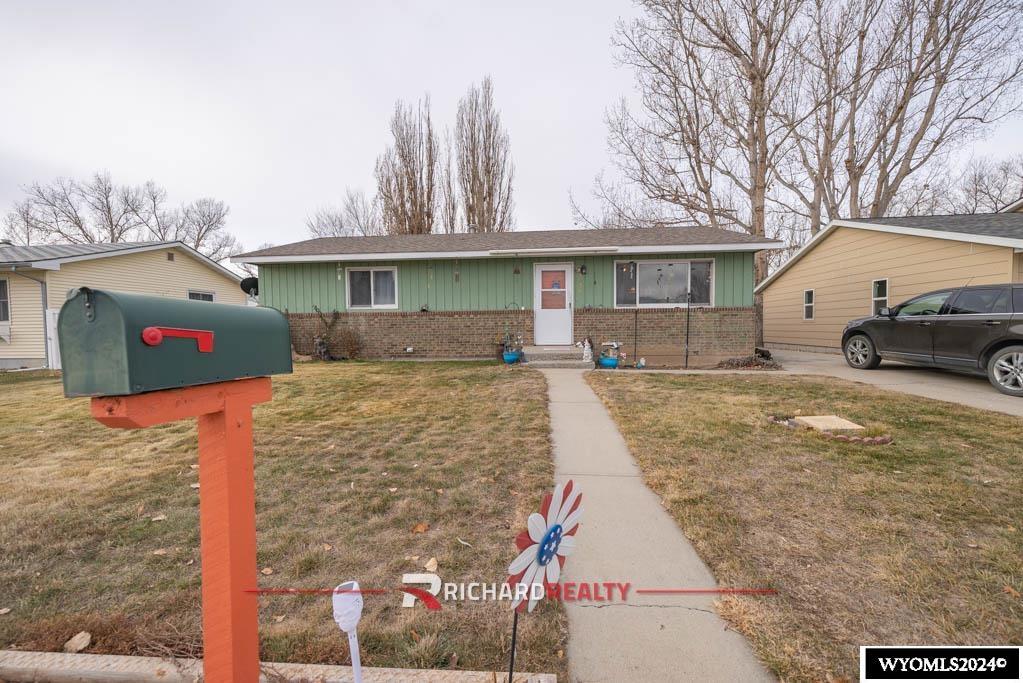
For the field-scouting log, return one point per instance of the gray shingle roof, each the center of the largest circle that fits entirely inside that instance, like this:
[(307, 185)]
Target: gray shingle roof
[(531, 239), (1008, 225), (10, 254)]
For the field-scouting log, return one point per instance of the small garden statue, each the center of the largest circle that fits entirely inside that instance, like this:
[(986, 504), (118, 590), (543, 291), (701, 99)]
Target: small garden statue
[(587, 346)]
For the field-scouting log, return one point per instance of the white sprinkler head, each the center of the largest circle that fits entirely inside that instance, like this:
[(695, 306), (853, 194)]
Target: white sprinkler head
[(347, 605)]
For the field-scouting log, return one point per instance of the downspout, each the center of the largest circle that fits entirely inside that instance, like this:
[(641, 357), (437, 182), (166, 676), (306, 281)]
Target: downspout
[(42, 293)]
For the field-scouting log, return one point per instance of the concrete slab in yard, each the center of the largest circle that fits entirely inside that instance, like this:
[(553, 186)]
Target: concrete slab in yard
[(56, 667), (825, 423)]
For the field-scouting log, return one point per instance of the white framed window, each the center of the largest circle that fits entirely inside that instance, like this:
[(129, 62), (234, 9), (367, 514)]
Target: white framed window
[(199, 295), (664, 284), (809, 299), (372, 287), (5, 302), (878, 295)]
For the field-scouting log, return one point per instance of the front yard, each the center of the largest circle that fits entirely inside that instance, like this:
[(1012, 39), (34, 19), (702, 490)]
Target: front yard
[(915, 542), (363, 471)]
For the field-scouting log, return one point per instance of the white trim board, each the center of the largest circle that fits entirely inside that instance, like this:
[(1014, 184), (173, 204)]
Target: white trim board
[(1012, 208), (510, 253), (55, 263), (893, 229)]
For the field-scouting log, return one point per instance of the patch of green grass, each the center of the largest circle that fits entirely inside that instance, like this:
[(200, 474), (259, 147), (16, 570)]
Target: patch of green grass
[(917, 542), (20, 376), (464, 446)]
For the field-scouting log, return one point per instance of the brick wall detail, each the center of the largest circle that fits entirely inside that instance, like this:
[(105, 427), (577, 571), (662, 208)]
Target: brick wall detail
[(716, 332)]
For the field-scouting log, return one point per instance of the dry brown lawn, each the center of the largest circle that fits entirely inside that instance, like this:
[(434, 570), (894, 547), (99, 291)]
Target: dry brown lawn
[(918, 542), (349, 459)]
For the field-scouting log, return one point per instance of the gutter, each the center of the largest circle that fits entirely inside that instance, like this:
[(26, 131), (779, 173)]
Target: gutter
[(498, 253), (42, 293)]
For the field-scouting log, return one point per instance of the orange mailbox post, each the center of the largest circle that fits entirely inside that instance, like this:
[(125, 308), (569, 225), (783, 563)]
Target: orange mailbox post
[(128, 352)]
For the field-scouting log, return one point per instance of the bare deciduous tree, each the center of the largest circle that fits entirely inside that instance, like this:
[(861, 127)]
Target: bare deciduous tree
[(98, 210), (205, 221), (406, 172), (710, 73), (485, 168), (358, 216), (621, 207), (888, 89), (449, 209), (983, 186)]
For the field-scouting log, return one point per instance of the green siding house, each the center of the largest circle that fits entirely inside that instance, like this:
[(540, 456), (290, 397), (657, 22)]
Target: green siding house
[(455, 296)]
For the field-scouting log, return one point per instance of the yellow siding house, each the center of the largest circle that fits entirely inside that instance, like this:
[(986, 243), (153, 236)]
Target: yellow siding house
[(35, 280), (852, 268)]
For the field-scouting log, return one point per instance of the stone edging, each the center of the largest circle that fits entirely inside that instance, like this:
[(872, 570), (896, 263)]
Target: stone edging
[(883, 440)]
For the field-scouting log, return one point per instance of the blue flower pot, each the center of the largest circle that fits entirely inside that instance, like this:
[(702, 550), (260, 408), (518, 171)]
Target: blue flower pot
[(606, 362), (511, 357)]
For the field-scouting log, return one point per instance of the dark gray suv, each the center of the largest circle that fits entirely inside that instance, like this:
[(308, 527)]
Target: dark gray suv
[(974, 329)]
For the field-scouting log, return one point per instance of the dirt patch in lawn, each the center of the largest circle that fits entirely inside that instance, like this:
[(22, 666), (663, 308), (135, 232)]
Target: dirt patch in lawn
[(917, 542), (363, 471)]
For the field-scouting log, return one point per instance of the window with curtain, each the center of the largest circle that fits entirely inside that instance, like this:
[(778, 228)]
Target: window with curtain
[(372, 288), (650, 284)]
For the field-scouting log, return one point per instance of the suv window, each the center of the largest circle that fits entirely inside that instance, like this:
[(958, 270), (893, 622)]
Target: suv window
[(928, 304), (1017, 299), (979, 301)]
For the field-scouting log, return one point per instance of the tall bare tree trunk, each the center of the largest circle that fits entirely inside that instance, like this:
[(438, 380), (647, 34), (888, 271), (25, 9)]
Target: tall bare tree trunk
[(485, 168)]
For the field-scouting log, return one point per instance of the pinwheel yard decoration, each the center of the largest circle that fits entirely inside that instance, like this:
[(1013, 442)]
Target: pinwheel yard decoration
[(548, 539)]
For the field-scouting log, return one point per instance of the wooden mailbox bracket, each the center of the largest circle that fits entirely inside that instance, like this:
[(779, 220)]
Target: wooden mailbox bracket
[(227, 508)]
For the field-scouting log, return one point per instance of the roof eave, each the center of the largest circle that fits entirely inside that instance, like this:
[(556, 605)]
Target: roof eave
[(1012, 208), (55, 263), (510, 253), (1014, 244)]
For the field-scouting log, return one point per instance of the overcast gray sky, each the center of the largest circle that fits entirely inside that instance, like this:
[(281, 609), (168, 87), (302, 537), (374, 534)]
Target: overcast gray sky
[(276, 107)]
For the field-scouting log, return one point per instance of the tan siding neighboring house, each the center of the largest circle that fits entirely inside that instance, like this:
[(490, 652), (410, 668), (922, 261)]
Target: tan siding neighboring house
[(27, 340), (144, 273), (145, 270), (842, 264)]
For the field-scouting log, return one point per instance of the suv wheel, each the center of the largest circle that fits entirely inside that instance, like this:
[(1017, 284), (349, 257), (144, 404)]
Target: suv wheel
[(1005, 370), (860, 352)]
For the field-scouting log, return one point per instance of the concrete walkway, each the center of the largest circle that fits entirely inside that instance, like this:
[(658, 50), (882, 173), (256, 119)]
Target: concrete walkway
[(626, 536)]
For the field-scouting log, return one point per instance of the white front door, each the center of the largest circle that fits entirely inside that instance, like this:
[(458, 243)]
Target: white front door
[(552, 302)]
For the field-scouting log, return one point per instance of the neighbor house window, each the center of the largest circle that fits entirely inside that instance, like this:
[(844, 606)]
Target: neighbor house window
[(5, 303), (373, 287), (196, 295), (808, 301), (878, 295), (664, 284)]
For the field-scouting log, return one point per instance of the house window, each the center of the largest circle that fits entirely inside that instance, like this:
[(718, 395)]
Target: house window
[(170, 255), (373, 287), (808, 302), (5, 303), (878, 295), (196, 295), (663, 284)]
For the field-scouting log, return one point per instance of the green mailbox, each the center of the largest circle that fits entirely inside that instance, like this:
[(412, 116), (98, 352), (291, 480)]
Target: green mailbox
[(115, 344)]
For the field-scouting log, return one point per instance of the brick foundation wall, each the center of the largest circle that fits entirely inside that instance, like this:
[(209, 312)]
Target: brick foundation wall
[(717, 333), (433, 334)]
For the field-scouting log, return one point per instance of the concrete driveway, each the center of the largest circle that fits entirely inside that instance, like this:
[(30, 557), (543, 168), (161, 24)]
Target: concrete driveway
[(943, 385)]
